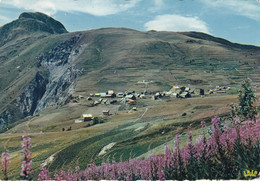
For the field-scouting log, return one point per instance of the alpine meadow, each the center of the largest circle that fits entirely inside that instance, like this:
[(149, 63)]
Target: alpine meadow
[(122, 104)]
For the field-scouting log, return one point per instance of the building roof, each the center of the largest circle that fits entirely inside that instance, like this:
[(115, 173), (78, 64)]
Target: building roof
[(129, 96), (87, 115), (110, 92), (131, 101), (103, 94)]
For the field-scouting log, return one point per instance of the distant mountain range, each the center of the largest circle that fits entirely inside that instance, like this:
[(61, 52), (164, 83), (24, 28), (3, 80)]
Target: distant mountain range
[(42, 64)]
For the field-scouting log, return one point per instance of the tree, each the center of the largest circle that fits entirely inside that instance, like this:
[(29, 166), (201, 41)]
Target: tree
[(246, 109)]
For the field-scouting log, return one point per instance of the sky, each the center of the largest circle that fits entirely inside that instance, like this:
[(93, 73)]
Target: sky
[(235, 20)]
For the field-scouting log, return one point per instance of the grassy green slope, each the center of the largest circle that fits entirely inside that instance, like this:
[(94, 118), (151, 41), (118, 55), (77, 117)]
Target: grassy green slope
[(82, 145), (119, 58), (18, 71)]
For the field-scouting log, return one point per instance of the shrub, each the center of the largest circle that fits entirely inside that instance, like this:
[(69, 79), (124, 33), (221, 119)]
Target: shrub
[(246, 101), (245, 108), (95, 121)]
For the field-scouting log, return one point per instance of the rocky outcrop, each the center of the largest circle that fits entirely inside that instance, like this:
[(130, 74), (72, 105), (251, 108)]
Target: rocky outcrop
[(5, 118), (53, 85), (62, 72), (26, 103), (29, 99)]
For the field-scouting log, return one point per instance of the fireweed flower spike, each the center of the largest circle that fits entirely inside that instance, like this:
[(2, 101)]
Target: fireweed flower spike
[(27, 162), (203, 124), (43, 175), (5, 162)]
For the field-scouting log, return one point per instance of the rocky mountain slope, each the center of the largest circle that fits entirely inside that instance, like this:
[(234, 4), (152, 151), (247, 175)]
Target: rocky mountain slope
[(42, 65), (30, 24)]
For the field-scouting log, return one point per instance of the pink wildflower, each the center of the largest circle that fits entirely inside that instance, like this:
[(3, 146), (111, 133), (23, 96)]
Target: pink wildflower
[(43, 175), (187, 151), (203, 124), (216, 131), (27, 162), (236, 120), (5, 162), (177, 142)]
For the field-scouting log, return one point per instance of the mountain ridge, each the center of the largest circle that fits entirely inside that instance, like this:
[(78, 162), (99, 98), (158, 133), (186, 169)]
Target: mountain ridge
[(205, 36), (84, 62)]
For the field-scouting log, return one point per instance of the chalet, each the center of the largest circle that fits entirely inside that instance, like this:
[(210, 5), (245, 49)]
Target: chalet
[(154, 97), (142, 96), (185, 95), (111, 93), (108, 96), (96, 102), (89, 99), (221, 91), (120, 95), (104, 101), (199, 91), (182, 89), (187, 89), (158, 94), (178, 91), (87, 117), (80, 97), (175, 94), (75, 101), (131, 101), (103, 94), (113, 101), (168, 93), (175, 88), (218, 88), (105, 112), (97, 94), (191, 91), (129, 92), (210, 91), (222, 88), (130, 96)]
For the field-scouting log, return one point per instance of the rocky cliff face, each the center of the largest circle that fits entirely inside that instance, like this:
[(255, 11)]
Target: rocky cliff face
[(52, 85), (29, 99), (62, 72), (26, 103)]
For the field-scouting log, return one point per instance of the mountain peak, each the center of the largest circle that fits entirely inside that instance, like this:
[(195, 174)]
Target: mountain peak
[(48, 24), (33, 15), (30, 23)]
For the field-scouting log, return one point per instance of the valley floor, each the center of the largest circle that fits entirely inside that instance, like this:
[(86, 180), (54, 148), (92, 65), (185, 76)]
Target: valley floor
[(125, 133)]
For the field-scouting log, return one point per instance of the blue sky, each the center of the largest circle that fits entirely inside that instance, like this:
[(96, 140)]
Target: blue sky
[(235, 20)]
